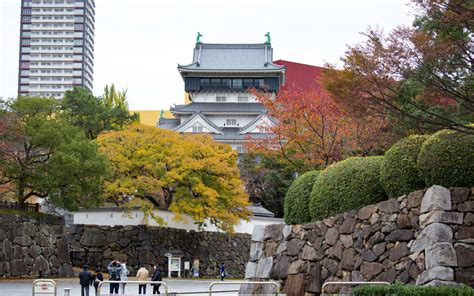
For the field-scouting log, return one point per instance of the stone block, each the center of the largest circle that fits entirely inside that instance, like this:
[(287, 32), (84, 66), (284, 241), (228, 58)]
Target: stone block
[(465, 253), (467, 206), (440, 254), (309, 253), (436, 198), (250, 270), (367, 211), (286, 231), (296, 267), (295, 285), (370, 270), (399, 235), (273, 232), (347, 226), (256, 251), (436, 273), (414, 199), (465, 233), (264, 267), (281, 247), (294, 246), (460, 194), (280, 268), (347, 261), (331, 236), (346, 241), (315, 280), (398, 251), (258, 233), (433, 233), (389, 206), (441, 217)]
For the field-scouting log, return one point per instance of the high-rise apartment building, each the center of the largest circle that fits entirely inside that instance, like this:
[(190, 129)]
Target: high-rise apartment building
[(56, 46)]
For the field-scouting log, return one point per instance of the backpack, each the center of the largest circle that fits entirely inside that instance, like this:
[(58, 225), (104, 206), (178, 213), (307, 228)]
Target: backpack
[(114, 275)]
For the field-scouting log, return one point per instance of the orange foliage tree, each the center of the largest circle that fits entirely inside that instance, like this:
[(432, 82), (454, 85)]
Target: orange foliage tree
[(313, 130)]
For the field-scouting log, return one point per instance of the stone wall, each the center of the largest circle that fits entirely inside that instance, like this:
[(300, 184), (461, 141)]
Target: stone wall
[(33, 247), (426, 237), (148, 245)]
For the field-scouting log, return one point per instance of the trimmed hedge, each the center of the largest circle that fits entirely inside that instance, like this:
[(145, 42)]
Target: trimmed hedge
[(446, 158), (399, 173), (347, 185), (411, 290), (296, 204)]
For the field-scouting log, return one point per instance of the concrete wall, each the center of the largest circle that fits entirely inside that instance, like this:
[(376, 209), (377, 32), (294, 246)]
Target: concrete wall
[(425, 238), (114, 217)]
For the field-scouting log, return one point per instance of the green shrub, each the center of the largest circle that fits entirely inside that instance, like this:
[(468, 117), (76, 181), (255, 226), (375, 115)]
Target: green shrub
[(346, 185), (296, 204), (399, 173), (446, 158), (411, 290)]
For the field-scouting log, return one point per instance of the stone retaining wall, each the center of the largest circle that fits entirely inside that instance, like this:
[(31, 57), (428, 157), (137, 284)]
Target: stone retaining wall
[(426, 237), (31, 248), (148, 245)]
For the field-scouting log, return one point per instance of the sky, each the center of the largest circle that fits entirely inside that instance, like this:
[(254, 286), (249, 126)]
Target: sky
[(139, 43)]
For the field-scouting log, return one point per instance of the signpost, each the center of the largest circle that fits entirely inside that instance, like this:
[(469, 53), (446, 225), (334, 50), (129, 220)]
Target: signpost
[(174, 264), (44, 287)]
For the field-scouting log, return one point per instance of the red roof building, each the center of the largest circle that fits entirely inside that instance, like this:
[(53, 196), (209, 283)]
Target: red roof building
[(301, 76)]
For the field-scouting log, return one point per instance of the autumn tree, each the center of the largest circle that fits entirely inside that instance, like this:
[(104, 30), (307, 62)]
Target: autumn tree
[(420, 77), (44, 156), (96, 114), (188, 174), (313, 131)]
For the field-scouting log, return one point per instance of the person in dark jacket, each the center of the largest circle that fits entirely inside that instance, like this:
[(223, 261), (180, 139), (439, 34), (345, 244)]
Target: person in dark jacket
[(156, 277), (85, 280), (114, 268), (97, 277), (222, 271)]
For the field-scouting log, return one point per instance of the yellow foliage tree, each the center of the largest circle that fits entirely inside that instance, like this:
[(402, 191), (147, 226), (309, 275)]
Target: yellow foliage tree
[(188, 174)]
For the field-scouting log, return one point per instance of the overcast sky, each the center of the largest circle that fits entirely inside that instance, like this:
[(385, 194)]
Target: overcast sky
[(138, 43)]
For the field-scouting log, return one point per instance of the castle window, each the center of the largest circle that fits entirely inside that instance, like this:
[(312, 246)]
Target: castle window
[(221, 98), (231, 122), (243, 98), (197, 128)]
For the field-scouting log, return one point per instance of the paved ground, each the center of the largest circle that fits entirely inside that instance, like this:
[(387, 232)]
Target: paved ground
[(24, 287)]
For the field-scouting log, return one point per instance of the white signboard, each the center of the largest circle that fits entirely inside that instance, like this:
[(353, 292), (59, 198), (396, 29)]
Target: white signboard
[(186, 265), (174, 264), (44, 287)]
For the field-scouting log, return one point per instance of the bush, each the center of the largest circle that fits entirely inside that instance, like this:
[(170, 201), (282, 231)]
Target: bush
[(296, 204), (399, 173), (411, 290), (346, 185), (447, 159)]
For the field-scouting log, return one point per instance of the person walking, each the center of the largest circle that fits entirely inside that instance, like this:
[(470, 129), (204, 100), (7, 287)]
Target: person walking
[(156, 277), (222, 271), (142, 275), (85, 280), (97, 277), (124, 275), (115, 269)]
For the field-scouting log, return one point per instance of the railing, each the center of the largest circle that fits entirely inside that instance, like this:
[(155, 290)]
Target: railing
[(277, 285), (20, 207), (352, 283), (133, 282)]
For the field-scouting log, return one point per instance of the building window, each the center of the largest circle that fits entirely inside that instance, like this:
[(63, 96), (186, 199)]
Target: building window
[(237, 83), (221, 98), (243, 98), (240, 149), (231, 122), (197, 128), (26, 19)]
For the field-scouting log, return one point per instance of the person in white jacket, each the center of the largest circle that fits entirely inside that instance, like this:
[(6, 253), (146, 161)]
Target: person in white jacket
[(124, 275)]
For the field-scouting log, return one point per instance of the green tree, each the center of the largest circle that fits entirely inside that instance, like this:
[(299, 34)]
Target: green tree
[(191, 175), (43, 156), (113, 98), (95, 114), (267, 179)]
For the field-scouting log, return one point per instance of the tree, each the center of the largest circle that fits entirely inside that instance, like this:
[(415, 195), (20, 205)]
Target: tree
[(44, 156), (188, 174), (313, 131), (96, 114), (266, 179), (419, 77), (113, 98)]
